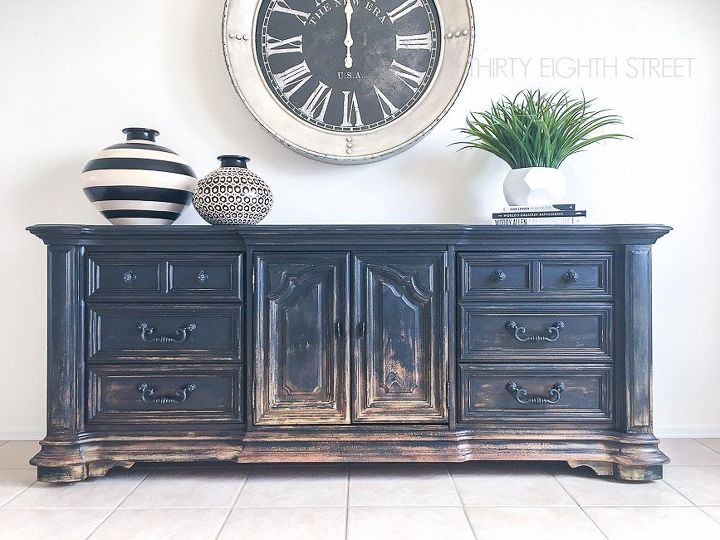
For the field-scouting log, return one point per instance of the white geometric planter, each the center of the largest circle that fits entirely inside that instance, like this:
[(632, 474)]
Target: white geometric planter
[(534, 186), (232, 194)]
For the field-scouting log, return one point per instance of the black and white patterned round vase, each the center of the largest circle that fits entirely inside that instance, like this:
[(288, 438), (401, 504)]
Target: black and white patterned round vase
[(139, 182), (232, 194)]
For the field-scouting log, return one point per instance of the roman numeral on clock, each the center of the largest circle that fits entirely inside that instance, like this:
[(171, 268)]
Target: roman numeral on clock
[(351, 110), (283, 7), (409, 76), (403, 9), (419, 41), (386, 106), (316, 105), (290, 80), (284, 46)]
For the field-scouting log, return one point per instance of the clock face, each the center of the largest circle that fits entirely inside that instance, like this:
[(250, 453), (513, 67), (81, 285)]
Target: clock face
[(348, 65)]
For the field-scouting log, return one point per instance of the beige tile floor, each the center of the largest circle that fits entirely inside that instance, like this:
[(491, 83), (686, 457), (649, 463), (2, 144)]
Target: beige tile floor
[(358, 502)]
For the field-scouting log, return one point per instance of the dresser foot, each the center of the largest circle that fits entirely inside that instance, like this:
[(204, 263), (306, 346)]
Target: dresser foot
[(78, 472), (627, 473), (62, 474), (638, 473)]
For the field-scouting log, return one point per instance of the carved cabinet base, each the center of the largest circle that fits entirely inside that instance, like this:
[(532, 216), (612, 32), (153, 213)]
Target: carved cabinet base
[(607, 455), (408, 343)]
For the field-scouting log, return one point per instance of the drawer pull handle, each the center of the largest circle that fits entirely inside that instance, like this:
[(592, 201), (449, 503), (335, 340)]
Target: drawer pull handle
[(520, 332), (498, 276), (339, 329), (571, 276), (202, 277), (129, 276), (181, 334), (148, 394), (521, 395)]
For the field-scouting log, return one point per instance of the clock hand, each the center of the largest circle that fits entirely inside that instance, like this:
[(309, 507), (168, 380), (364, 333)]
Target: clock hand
[(348, 37)]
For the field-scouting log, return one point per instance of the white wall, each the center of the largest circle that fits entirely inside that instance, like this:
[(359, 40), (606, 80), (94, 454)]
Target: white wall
[(72, 74)]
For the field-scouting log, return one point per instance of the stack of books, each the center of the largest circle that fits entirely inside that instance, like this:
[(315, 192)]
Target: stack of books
[(556, 214)]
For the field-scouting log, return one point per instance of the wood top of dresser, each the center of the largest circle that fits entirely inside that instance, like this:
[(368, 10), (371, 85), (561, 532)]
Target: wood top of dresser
[(537, 236)]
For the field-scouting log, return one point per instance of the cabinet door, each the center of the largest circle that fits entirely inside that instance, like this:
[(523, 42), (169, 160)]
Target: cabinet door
[(400, 325), (302, 354)]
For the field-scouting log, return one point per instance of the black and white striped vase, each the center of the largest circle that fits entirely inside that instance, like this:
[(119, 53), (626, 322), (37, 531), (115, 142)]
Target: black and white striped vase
[(139, 182)]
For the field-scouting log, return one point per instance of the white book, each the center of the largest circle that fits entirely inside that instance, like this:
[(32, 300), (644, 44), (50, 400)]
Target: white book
[(540, 221)]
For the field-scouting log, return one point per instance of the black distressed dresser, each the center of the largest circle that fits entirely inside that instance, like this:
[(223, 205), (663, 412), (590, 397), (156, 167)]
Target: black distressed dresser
[(349, 343)]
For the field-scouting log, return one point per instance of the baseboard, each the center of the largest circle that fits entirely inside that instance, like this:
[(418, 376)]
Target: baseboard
[(687, 432), (21, 435)]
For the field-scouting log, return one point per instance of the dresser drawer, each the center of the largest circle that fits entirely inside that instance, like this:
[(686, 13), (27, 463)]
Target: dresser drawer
[(188, 277), (536, 394), (497, 275), (535, 275), (143, 395), (516, 332), (205, 276), (571, 276), (158, 333), (125, 275)]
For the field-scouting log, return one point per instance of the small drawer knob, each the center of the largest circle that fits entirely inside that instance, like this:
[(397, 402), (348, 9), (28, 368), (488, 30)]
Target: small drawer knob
[(202, 277), (129, 277), (571, 276), (498, 276)]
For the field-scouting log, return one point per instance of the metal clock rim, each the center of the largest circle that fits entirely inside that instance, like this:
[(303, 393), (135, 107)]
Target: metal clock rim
[(259, 102)]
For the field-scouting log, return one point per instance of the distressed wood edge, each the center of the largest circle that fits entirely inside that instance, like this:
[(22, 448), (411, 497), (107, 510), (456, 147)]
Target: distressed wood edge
[(637, 338), (624, 473), (637, 473), (619, 456), (272, 234), (62, 474)]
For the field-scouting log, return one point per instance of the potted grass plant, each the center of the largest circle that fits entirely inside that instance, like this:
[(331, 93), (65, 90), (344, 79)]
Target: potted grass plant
[(534, 133)]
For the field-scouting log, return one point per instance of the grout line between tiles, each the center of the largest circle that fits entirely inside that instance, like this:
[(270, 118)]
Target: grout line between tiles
[(706, 446), (232, 505), (716, 520), (414, 506), (462, 502), (678, 466), (677, 491), (640, 507), (17, 469), (347, 503), (669, 466), (144, 477), (579, 505), (18, 494), (284, 507), (303, 507)]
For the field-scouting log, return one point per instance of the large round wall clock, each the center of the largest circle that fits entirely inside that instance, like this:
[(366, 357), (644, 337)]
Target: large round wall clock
[(348, 81)]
